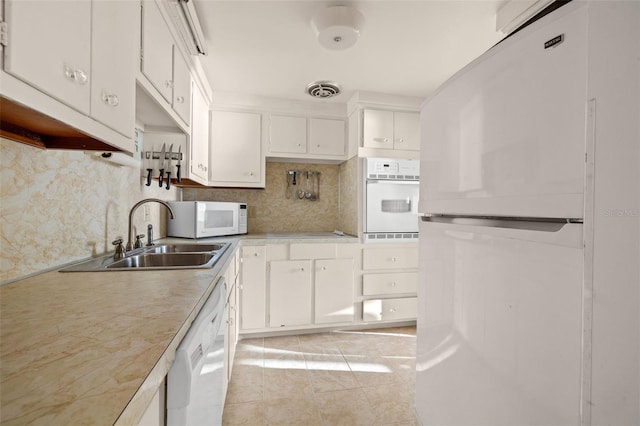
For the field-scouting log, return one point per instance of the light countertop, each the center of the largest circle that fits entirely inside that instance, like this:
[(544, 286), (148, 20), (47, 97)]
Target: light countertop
[(93, 347)]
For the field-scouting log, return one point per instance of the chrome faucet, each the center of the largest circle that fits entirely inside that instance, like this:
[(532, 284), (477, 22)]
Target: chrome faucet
[(130, 244)]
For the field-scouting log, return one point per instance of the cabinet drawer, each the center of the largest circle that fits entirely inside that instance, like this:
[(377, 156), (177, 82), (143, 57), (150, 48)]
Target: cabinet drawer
[(390, 309), (390, 258), (395, 283), (312, 251)]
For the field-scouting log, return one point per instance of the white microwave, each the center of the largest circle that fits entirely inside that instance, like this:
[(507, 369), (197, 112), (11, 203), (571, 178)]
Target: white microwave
[(201, 219)]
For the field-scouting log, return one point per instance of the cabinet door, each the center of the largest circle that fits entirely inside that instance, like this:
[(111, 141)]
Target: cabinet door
[(157, 49), (50, 48), (236, 151), (289, 292), (326, 136), (406, 130), (377, 129), (199, 164), (114, 61), (181, 86), (334, 290), (230, 349), (287, 134), (253, 288)]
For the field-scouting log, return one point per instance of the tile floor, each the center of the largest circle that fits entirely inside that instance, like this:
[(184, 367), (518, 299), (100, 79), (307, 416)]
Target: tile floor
[(335, 378)]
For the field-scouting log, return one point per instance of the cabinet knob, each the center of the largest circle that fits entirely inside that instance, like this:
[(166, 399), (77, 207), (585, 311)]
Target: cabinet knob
[(168, 84), (255, 254), (393, 284), (250, 173), (324, 268), (393, 259), (111, 100), (75, 75), (392, 310), (180, 99), (301, 269), (318, 146), (401, 140)]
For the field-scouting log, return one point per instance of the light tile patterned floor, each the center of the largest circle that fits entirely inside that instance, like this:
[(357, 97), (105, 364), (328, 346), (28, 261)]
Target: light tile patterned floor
[(336, 378)]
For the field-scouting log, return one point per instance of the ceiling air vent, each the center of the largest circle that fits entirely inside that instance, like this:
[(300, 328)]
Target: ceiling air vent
[(323, 89)]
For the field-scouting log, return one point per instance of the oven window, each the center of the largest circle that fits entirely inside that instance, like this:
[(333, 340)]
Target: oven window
[(218, 219)]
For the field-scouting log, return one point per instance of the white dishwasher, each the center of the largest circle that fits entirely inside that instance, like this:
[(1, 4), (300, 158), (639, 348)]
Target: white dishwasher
[(195, 382)]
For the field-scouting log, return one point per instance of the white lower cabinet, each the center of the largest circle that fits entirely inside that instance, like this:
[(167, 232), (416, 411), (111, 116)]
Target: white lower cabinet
[(389, 271), (333, 290), (390, 257), (390, 309), (289, 293), (253, 287), (297, 286), (389, 283)]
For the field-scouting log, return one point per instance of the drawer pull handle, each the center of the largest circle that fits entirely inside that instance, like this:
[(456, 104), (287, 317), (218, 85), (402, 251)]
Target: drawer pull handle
[(392, 310), (393, 284)]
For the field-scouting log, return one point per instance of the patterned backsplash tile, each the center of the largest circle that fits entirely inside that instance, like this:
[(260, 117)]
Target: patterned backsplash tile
[(60, 206)]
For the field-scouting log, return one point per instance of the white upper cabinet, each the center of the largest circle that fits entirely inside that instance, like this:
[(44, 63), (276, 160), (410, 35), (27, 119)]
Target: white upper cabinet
[(157, 50), (287, 134), (236, 153), (391, 130), (162, 62), (305, 137), (199, 162), (81, 53), (113, 59), (181, 86), (326, 136), (50, 48)]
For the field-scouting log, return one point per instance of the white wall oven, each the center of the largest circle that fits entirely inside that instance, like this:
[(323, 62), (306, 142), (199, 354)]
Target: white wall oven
[(391, 199)]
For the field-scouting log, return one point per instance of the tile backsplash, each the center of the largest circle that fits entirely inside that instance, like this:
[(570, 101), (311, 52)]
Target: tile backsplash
[(270, 210), (60, 206)]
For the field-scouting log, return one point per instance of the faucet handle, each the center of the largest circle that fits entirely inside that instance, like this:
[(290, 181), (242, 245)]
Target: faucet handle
[(138, 242), (120, 251)]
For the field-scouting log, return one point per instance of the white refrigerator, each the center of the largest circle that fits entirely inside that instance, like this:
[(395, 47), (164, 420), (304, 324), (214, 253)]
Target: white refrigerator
[(529, 295)]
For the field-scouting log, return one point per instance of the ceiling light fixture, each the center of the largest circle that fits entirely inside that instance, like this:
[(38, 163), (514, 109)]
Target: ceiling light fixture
[(337, 27)]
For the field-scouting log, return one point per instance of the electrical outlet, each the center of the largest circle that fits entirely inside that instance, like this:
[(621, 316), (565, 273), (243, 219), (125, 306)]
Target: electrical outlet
[(147, 213)]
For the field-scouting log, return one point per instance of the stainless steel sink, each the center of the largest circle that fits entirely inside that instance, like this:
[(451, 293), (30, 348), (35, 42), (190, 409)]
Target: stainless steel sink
[(165, 256), (185, 248), (163, 261)]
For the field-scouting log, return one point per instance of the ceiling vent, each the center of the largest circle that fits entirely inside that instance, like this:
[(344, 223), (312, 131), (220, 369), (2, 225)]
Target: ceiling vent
[(323, 89)]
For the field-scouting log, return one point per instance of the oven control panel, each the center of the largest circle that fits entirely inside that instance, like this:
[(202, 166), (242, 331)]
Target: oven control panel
[(392, 168)]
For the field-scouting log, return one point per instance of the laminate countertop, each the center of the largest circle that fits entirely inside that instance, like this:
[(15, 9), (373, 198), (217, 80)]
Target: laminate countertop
[(93, 347)]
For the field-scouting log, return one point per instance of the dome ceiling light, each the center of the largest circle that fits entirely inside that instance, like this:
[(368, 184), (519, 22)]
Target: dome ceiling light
[(337, 27)]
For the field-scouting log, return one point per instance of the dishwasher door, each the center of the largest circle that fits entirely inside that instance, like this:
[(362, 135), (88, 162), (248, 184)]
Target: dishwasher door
[(195, 382)]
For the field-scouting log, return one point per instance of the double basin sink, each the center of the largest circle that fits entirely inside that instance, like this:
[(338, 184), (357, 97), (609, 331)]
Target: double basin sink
[(165, 256)]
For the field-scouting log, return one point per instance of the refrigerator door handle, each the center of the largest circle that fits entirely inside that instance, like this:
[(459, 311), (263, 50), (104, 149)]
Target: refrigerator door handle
[(563, 232)]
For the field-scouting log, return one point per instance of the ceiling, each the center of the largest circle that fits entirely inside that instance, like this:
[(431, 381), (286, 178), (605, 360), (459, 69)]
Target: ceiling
[(268, 48)]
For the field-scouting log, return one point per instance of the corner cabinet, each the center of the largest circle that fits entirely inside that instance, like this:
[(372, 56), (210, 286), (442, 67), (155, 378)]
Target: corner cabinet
[(297, 286), (236, 156)]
